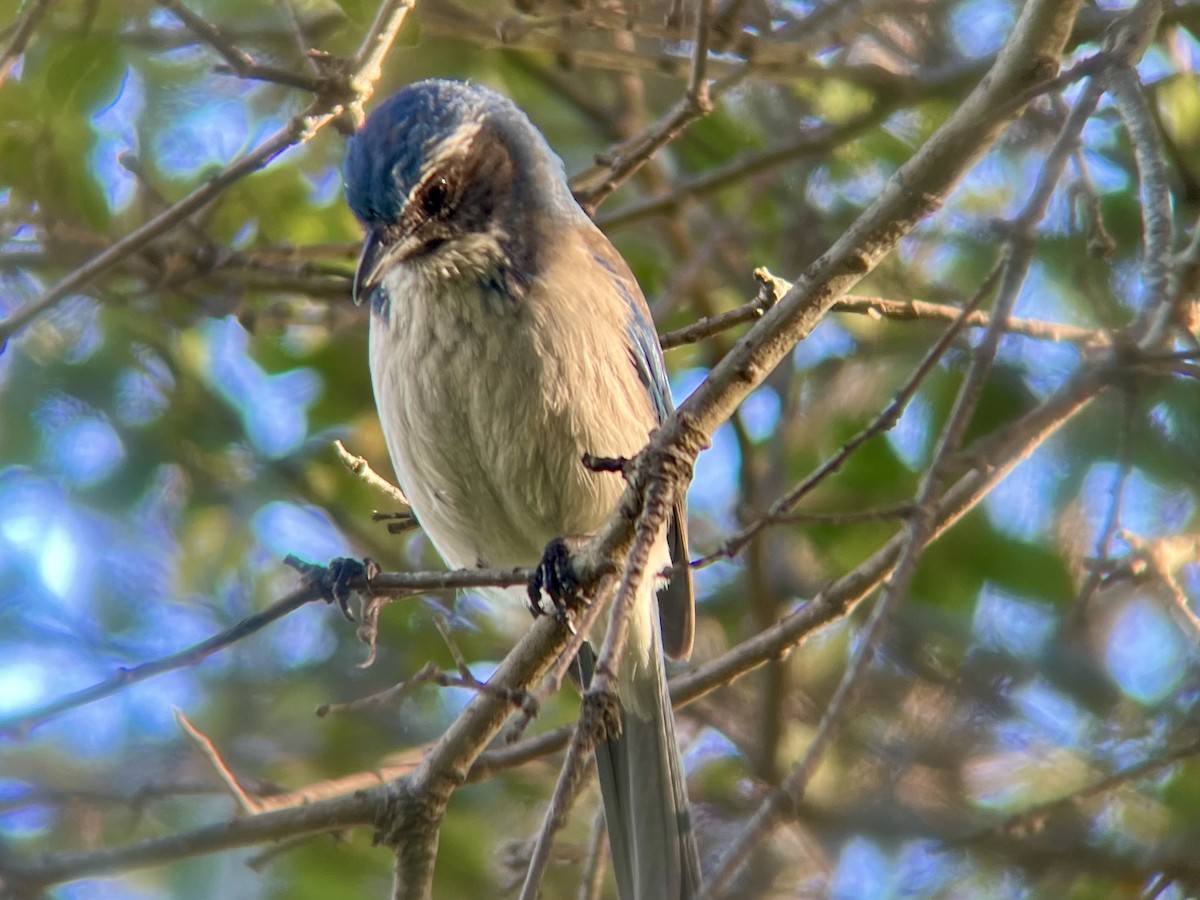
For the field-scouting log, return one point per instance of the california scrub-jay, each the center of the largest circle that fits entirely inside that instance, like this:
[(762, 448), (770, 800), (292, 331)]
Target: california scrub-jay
[(508, 339)]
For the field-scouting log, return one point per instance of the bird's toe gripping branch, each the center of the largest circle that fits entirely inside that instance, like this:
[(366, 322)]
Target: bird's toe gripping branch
[(338, 580), (555, 577)]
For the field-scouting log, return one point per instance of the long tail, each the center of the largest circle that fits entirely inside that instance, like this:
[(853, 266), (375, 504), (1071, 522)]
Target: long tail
[(646, 806)]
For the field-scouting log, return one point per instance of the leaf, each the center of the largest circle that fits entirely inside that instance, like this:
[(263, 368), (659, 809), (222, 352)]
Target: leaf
[(1178, 102), (83, 73)]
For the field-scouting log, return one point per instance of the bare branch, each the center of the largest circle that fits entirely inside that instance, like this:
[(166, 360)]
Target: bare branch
[(781, 509), (431, 674), (920, 529), (240, 62), (324, 109), (695, 104), (359, 466), (1020, 820), (387, 583), (208, 750), (246, 831), (401, 808), (26, 25), (21, 724), (887, 308)]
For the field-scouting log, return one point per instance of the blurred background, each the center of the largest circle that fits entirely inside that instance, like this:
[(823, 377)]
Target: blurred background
[(166, 439)]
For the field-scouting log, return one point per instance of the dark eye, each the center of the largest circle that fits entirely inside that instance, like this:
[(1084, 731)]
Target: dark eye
[(434, 197)]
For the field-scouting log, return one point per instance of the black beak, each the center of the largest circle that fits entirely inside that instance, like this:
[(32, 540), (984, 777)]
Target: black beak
[(366, 276)]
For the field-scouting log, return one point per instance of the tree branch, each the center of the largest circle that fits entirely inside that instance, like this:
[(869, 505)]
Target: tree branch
[(25, 26), (324, 108)]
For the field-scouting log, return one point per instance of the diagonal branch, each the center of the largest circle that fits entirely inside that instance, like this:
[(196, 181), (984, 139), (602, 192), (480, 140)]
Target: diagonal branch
[(881, 423), (21, 724), (241, 63), (24, 31), (695, 104), (918, 532), (916, 190), (387, 583), (402, 809), (324, 108), (456, 757)]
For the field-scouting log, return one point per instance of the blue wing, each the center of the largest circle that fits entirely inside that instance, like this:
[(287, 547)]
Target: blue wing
[(644, 350), (676, 601), (648, 357)]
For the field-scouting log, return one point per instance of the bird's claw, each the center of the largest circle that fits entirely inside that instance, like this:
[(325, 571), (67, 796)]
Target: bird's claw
[(334, 580), (555, 577)]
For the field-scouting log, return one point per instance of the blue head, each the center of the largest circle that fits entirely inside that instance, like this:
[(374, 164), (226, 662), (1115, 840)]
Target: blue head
[(452, 177)]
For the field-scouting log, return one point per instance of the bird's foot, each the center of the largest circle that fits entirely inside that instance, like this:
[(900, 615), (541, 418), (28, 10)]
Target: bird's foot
[(555, 577), (336, 579), (601, 715)]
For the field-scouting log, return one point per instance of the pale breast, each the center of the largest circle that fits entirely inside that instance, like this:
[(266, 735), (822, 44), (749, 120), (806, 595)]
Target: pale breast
[(488, 405)]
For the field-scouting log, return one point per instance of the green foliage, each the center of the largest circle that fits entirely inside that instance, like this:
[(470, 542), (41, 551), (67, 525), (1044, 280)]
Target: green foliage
[(166, 438)]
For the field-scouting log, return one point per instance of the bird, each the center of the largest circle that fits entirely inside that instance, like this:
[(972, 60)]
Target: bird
[(508, 338)]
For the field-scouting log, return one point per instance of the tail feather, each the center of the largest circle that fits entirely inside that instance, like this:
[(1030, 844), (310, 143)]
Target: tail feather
[(646, 807)]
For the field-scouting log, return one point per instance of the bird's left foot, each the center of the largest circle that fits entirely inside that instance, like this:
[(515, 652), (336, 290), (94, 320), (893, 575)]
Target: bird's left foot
[(556, 578)]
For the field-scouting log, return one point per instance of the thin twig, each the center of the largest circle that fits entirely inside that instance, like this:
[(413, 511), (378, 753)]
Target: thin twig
[(431, 674), (914, 310), (359, 466), (816, 143), (386, 583), (883, 422), (208, 750), (1116, 494), (697, 89), (1018, 821), (259, 861), (300, 38), (849, 517), (1164, 556), (1158, 225), (204, 246), (694, 105), (24, 31), (20, 724), (240, 62), (592, 879), (324, 109), (887, 308), (348, 784), (391, 696)]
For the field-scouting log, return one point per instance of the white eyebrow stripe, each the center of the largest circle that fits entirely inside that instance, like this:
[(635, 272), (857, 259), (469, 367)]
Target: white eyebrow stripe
[(457, 144)]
